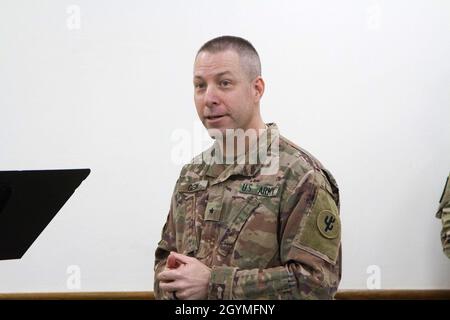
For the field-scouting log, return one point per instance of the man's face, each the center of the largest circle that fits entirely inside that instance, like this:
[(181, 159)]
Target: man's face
[(223, 93)]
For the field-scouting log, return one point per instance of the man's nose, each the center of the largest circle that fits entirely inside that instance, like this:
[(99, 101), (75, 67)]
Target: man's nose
[(211, 97)]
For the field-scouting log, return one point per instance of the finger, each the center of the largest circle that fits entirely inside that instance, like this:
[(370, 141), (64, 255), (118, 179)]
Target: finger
[(178, 257), (168, 275), (172, 262), (170, 286), (183, 294), (181, 257)]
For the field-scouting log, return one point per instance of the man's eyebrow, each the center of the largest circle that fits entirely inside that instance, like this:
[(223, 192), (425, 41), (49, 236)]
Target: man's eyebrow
[(223, 73), (216, 76)]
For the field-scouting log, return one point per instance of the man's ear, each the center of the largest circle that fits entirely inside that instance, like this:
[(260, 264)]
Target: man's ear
[(258, 86)]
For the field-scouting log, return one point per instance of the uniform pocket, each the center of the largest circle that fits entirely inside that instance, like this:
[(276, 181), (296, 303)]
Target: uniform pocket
[(189, 194), (229, 237)]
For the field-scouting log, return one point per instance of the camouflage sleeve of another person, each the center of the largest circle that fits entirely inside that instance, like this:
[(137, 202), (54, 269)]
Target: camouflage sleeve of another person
[(309, 245), (443, 213), (165, 245)]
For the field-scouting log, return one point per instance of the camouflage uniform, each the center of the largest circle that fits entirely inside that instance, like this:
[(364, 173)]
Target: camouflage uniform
[(443, 213), (264, 236)]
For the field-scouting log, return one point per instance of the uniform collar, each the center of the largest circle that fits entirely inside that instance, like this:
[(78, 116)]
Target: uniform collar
[(222, 172)]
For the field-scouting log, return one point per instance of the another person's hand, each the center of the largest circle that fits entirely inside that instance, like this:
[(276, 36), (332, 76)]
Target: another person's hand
[(187, 277)]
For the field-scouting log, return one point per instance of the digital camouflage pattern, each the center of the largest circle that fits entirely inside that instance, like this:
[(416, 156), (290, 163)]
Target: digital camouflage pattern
[(264, 236), (443, 213)]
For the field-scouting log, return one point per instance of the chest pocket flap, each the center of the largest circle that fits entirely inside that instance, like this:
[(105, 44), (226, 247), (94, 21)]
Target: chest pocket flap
[(186, 215), (231, 234), (190, 187)]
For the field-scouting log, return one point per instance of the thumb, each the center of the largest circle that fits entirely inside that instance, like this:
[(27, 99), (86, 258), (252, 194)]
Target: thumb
[(172, 262), (181, 257)]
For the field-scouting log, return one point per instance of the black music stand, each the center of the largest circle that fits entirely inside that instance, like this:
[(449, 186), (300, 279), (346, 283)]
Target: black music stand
[(28, 202)]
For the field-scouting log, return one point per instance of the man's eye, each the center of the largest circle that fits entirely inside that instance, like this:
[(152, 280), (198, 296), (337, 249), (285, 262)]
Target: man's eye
[(199, 85), (225, 83)]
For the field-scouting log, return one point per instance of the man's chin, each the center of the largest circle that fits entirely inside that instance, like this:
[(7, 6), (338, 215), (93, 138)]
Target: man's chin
[(214, 128), (216, 132)]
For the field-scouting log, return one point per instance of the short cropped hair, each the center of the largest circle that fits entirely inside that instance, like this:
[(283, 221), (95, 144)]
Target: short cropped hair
[(248, 55)]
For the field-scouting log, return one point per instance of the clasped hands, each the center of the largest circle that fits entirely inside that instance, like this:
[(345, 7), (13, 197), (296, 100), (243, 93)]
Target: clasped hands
[(184, 277)]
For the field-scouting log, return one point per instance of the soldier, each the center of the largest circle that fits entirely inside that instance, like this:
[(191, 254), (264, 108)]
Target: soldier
[(240, 229), (443, 213)]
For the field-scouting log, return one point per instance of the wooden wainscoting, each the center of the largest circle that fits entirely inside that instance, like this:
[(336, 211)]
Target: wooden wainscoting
[(125, 295), (393, 295), (148, 295)]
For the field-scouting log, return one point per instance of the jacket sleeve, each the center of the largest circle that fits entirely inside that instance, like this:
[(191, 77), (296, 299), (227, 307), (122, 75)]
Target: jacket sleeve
[(443, 213), (445, 232), (165, 246), (309, 245)]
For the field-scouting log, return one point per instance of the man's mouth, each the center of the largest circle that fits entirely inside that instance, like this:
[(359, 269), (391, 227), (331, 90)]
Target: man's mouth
[(215, 117)]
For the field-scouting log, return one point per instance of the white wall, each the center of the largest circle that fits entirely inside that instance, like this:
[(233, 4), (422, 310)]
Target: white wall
[(363, 85)]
